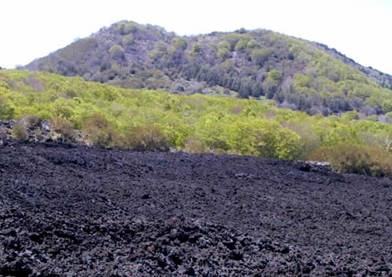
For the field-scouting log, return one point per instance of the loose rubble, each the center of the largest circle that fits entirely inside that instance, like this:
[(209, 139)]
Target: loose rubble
[(68, 210)]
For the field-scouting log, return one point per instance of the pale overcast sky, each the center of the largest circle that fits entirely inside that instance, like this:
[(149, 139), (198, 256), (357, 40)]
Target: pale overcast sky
[(361, 29)]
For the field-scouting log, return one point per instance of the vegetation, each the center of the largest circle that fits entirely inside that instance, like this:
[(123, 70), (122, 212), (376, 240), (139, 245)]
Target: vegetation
[(361, 159), (110, 116), (295, 73), (19, 132), (116, 52), (260, 55)]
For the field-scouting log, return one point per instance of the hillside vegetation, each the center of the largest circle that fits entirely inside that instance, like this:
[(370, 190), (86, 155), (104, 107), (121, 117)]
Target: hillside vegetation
[(296, 73), (110, 116)]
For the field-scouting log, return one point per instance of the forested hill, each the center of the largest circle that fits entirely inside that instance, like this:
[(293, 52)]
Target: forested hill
[(381, 78), (296, 73)]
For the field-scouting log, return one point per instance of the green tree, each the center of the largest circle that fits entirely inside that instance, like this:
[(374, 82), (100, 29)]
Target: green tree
[(387, 105), (7, 110), (127, 40), (270, 84), (127, 27), (196, 49), (116, 52), (223, 49), (179, 44), (259, 56), (242, 44)]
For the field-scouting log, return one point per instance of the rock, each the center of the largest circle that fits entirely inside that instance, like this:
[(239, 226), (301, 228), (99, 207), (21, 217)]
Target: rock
[(121, 219)]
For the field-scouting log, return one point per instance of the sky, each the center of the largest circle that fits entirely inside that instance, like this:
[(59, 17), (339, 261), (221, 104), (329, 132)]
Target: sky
[(360, 29)]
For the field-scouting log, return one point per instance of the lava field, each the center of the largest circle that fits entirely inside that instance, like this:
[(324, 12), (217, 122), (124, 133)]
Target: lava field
[(79, 211)]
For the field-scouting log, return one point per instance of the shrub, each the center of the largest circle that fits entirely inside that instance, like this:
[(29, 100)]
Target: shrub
[(7, 111), (387, 106), (193, 145), (64, 128), (127, 27), (212, 131), (360, 159), (127, 40), (388, 117), (99, 131), (223, 49), (234, 38), (147, 138), (242, 44), (279, 144), (179, 44), (217, 124), (272, 81), (30, 121), (62, 108), (196, 49), (117, 52), (262, 138), (19, 132), (310, 140), (259, 56), (252, 44)]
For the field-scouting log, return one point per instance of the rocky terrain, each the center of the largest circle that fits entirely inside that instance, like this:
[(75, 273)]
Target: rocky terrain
[(33, 129), (78, 211)]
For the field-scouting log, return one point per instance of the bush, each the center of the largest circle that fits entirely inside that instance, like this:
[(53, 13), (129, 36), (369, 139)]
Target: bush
[(126, 27), (196, 49), (196, 123), (30, 121), (360, 159), (388, 118), (179, 44), (252, 44), (28, 124), (127, 40), (234, 38), (99, 131), (7, 111), (279, 144), (242, 44), (64, 128), (116, 52), (223, 49), (259, 56), (193, 145), (262, 138), (147, 138), (310, 140), (272, 81), (19, 132)]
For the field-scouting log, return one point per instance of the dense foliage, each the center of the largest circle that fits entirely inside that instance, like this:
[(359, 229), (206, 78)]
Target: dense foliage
[(360, 159), (157, 120), (297, 74)]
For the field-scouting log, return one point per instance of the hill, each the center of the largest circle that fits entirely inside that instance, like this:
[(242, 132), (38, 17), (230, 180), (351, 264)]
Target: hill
[(110, 116), (296, 73)]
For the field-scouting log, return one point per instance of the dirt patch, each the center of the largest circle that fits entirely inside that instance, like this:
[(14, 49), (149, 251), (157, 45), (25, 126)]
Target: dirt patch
[(78, 211)]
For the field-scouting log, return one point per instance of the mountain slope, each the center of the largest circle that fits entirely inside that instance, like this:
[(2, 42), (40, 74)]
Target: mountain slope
[(295, 73), (383, 79)]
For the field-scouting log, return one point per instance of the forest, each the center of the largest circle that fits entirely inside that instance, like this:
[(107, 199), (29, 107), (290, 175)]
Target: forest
[(154, 120), (295, 73)]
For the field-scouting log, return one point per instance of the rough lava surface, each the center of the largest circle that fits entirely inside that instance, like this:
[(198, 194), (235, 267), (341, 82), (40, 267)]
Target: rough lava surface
[(79, 211)]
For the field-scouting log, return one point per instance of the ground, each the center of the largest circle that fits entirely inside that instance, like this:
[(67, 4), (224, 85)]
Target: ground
[(79, 211)]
